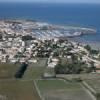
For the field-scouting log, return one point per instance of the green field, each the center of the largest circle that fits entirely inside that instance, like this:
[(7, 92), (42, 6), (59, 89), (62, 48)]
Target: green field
[(54, 89), (7, 70), (95, 84), (17, 90), (22, 89), (81, 76), (35, 71), (62, 90)]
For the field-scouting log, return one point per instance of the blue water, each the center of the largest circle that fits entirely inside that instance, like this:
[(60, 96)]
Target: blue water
[(84, 15)]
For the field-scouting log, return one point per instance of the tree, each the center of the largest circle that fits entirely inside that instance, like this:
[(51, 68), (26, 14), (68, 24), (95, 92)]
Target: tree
[(87, 47), (0, 36), (94, 51), (69, 68), (27, 37), (21, 70), (74, 58), (93, 68)]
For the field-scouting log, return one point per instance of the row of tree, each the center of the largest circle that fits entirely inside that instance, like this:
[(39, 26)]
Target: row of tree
[(92, 51), (69, 68)]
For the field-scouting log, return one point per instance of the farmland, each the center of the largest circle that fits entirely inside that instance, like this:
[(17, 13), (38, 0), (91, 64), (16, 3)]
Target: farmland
[(62, 90), (20, 89), (34, 71), (17, 90), (94, 87), (7, 70), (49, 89), (79, 76)]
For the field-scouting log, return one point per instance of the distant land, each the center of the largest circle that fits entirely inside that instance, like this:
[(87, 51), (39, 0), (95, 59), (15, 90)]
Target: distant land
[(42, 30)]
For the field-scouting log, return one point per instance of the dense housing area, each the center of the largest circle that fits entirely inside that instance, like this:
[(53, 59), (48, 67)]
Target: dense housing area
[(36, 63)]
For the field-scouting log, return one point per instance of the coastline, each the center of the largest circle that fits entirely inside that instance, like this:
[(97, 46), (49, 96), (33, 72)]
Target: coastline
[(94, 44), (70, 32)]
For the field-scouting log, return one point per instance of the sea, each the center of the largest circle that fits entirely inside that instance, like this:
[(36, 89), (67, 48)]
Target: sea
[(68, 14)]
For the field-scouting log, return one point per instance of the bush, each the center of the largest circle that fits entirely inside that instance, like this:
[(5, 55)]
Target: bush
[(87, 47), (94, 52), (21, 71), (27, 37), (0, 36), (69, 68)]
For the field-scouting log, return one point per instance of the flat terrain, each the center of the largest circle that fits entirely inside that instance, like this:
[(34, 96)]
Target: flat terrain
[(94, 76), (22, 89), (53, 89), (35, 71), (94, 84), (17, 90), (7, 71), (62, 90)]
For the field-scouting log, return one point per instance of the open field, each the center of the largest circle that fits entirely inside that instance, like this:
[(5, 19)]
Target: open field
[(7, 71), (81, 76), (35, 71), (50, 71), (95, 84), (17, 90), (53, 89), (62, 90)]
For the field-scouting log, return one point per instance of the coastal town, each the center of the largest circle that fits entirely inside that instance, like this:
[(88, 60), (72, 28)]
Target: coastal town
[(40, 59), (18, 44)]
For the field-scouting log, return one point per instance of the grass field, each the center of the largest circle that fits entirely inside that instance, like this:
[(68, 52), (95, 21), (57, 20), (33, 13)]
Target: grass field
[(81, 76), (7, 71), (94, 87), (22, 89), (54, 89), (61, 90), (17, 90), (94, 84), (34, 71)]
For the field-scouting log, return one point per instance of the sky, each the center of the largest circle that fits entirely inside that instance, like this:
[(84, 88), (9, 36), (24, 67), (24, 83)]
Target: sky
[(54, 1)]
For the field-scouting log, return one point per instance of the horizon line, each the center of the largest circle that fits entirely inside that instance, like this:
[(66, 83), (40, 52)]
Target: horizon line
[(50, 2)]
